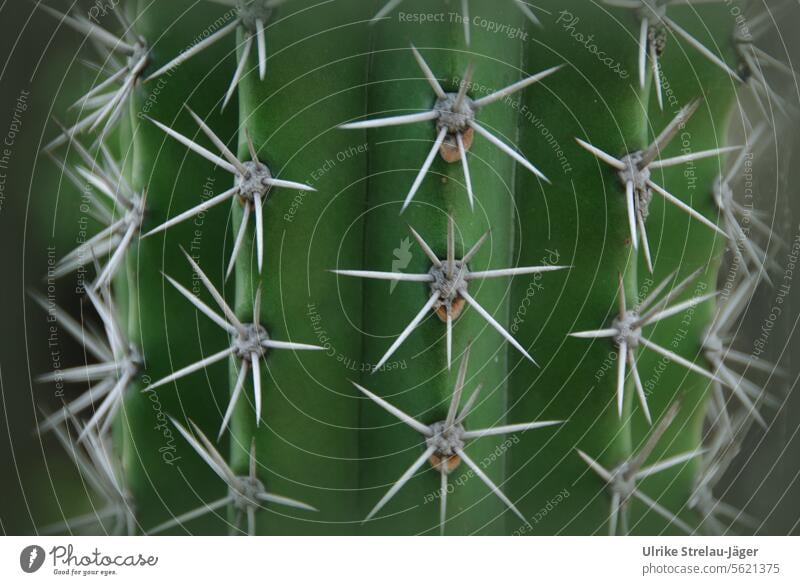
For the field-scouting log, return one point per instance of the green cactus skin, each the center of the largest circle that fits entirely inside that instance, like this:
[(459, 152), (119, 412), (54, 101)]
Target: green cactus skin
[(597, 213), (697, 247), (307, 441), (583, 206), (321, 441), (158, 314), (420, 383)]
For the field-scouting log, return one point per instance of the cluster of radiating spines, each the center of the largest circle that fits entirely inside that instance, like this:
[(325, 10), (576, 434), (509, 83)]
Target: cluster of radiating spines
[(626, 333), (251, 18), (622, 481), (118, 363), (101, 471), (454, 115), (743, 224), (724, 434), (250, 343), (128, 55), (654, 30), (449, 279), (635, 172), (246, 493), (445, 442), (526, 9), (115, 205), (253, 185), (755, 64), (726, 362)]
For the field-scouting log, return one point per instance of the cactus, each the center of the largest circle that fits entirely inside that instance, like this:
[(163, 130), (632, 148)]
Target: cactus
[(413, 267)]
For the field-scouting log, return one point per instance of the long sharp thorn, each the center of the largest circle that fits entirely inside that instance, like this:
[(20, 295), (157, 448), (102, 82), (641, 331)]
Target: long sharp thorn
[(192, 145), (442, 501), (461, 379), (491, 485), (259, 232), (465, 164), (514, 88), (237, 391), (226, 310), (200, 305), (223, 148), (639, 387), (425, 168), (425, 248), (644, 42), (475, 249), (527, 11), (116, 259), (663, 512), (393, 410), (261, 38), (463, 87), (603, 156), (508, 150), (191, 515), (467, 36), (499, 328), (237, 246), (648, 258), (708, 54), (597, 334), (74, 328), (251, 145), (654, 150), (510, 429), (630, 200), (513, 272), (398, 485), (426, 70), (613, 520), (622, 359), (91, 30), (240, 69), (595, 466), (467, 408), (290, 345), (680, 308), (204, 363), (391, 121), (375, 275), (281, 184), (678, 359), (194, 211), (449, 334), (686, 209), (284, 501), (254, 361), (668, 463), (195, 49), (638, 460), (686, 158), (657, 76)]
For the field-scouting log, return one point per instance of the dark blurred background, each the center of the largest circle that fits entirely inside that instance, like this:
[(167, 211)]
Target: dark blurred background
[(39, 484)]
